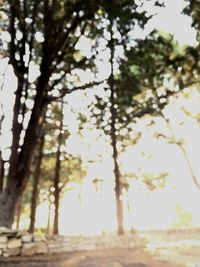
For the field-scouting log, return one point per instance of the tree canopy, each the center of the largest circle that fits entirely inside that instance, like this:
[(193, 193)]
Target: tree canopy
[(43, 41)]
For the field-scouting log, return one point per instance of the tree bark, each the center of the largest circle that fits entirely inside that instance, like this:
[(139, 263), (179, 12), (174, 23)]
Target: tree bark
[(1, 173), (21, 154), (36, 178), (56, 180), (48, 230), (19, 211), (57, 193), (118, 189), (8, 202), (17, 178)]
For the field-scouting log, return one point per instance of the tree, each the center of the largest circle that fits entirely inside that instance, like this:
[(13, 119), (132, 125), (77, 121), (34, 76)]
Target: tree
[(43, 34), (2, 162), (172, 139), (167, 63), (118, 187), (137, 89), (57, 189), (58, 167), (35, 183), (121, 19), (192, 9), (56, 181), (120, 22), (1, 172)]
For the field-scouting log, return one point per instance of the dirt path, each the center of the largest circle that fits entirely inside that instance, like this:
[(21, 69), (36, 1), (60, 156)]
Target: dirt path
[(157, 249), (97, 258)]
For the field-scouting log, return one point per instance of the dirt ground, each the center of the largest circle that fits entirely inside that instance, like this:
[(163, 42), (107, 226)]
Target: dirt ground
[(98, 258), (157, 250)]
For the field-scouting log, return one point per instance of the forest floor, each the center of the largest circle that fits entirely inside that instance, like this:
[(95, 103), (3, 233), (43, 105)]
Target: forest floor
[(158, 250)]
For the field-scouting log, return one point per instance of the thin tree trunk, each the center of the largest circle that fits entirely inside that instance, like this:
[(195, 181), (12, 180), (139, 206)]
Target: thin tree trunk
[(118, 193), (36, 178), (129, 210), (194, 178), (19, 211), (118, 189), (2, 117), (1, 173), (184, 152), (57, 180), (56, 192), (49, 215)]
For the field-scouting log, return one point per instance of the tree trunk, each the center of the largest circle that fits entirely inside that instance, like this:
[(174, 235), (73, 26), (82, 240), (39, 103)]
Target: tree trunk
[(18, 172), (184, 152), (36, 178), (194, 178), (118, 190), (56, 193), (1, 173), (19, 211), (56, 183), (129, 210), (49, 56), (48, 230), (8, 202)]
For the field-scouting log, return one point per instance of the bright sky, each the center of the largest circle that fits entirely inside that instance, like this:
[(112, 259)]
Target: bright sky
[(170, 20)]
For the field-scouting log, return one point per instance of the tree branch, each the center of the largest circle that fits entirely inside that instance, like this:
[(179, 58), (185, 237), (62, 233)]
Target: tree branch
[(75, 65), (63, 185), (69, 91), (12, 31), (32, 30)]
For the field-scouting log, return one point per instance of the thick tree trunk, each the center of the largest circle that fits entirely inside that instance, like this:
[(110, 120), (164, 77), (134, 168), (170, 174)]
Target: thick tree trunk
[(36, 178), (8, 202), (16, 131), (118, 191), (19, 48), (18, 172)]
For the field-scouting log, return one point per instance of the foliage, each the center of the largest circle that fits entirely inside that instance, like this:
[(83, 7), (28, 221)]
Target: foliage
[(192, 9), (71, 169), (184, 218), (43, 38)]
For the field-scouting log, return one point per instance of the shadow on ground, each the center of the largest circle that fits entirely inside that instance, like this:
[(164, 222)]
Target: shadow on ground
[(135, 257)]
